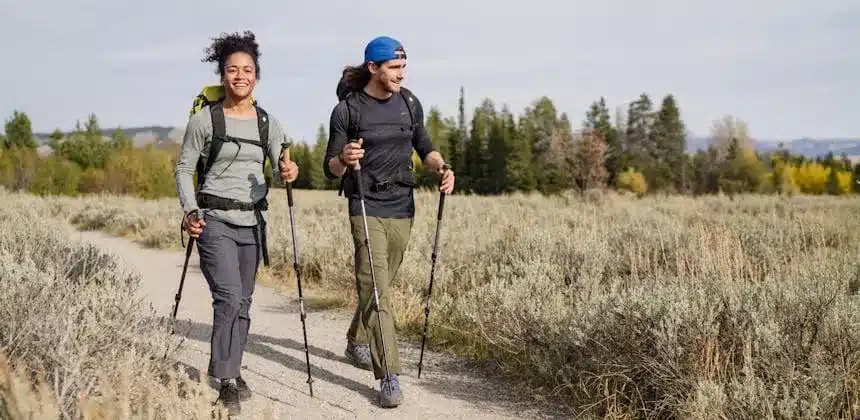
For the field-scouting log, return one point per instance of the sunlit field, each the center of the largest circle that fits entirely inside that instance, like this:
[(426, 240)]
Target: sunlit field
[(669, 307)]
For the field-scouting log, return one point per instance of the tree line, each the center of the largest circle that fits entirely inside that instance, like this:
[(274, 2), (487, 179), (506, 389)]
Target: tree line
[(641, 150), (83, 162)]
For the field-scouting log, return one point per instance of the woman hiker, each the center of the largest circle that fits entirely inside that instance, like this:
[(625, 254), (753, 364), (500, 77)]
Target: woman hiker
[(230, 230)]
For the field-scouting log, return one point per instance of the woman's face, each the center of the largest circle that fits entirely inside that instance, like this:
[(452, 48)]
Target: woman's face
[(240, 75)]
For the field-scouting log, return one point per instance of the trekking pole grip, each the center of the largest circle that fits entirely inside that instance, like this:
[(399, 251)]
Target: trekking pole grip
[(357, 172), (445, 167), (284, 146), (359, 166)]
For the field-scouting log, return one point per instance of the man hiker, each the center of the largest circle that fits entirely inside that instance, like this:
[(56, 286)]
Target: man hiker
[(234, 137), (373, 131)]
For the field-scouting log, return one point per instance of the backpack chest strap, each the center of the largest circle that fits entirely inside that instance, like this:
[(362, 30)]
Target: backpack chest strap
[(219, 136)]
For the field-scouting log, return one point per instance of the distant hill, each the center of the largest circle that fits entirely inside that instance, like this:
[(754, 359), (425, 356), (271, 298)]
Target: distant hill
[(805, 146), (140, 135), (808, 147)]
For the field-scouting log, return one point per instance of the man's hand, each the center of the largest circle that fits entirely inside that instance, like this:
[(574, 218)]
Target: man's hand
[(193, 225), (352, 152), (447, 176), (289, 170)]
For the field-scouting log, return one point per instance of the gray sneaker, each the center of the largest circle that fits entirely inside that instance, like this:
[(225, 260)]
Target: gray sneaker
[(359, 355), (389, 392)]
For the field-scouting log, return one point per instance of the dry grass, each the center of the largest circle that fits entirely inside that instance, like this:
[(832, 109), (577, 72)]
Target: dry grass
[(657, 308), (74, 343)]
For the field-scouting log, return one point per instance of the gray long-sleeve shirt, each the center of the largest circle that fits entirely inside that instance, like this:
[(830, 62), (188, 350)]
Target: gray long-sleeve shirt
[(242, 180)]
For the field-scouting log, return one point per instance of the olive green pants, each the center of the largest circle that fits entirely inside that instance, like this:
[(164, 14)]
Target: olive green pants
[(388, 241)]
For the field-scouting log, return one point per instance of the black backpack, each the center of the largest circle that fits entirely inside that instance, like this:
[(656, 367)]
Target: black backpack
[(353, 113), (212, 97)]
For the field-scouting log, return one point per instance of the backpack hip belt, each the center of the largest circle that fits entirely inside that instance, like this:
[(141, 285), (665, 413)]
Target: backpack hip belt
[(209, 201), (213, 202)]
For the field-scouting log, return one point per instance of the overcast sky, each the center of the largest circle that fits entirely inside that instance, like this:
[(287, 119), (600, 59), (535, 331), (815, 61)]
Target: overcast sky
[(790, 68)]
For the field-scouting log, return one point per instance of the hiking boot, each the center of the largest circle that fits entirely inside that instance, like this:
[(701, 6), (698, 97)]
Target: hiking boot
[(242, 389), (389, 392), (359, 355), (229, 397)]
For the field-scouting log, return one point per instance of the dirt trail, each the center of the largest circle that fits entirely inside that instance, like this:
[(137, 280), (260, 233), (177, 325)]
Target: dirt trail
[(274, 363)]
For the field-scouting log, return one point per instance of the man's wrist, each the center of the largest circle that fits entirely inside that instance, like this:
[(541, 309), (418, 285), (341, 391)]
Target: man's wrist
[(335, 170)]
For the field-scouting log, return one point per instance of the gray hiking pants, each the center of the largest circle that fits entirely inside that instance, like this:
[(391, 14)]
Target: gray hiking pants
[(229, 257)]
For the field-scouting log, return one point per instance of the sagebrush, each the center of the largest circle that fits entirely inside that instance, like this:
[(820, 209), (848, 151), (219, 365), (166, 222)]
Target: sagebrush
[(75, 341), (663, 307)]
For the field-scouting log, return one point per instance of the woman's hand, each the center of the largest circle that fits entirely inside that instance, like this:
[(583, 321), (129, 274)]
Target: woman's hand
[(193, 225)]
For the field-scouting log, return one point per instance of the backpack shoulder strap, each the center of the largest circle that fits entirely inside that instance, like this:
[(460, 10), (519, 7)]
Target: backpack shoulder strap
[(219, 132), (353, 114), (407, 96), (263, 125)]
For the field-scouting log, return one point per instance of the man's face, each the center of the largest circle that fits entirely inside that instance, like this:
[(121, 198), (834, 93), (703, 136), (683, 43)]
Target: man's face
[(389, 74)]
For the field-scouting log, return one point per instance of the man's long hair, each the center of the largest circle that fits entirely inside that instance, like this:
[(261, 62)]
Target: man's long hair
[(354, 78)]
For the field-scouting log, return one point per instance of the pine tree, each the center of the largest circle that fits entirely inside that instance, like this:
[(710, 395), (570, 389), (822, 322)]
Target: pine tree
[(598, 120), (667, 147), (518, 164), (318, 179), (19, 132), (833, 181), (438, 132), (301, 154), (497, 179), (457, 138), (637, 136), (476, 157), (86, 146), (541, 127)]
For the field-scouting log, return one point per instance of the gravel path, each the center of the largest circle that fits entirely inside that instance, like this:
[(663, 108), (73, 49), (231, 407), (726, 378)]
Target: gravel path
[(274, 363)]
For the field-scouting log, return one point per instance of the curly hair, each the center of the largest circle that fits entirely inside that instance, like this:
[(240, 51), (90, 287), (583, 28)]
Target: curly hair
[(227, 44)]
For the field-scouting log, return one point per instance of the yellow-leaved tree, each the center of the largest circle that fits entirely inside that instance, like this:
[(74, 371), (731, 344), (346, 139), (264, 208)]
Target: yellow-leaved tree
[(632, 181), (812, 178)]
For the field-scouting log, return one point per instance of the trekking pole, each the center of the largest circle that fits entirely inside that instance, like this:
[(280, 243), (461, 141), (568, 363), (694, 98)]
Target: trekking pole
[(181, 281), (298, 269), (432, 272), (370, 261), (178, 295)]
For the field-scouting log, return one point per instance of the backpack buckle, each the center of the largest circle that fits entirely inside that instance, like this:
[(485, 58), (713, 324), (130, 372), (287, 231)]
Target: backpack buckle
[(380, 186)]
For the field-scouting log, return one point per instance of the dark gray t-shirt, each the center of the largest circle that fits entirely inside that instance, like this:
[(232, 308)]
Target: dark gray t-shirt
[(243, 180), (389, 139)]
